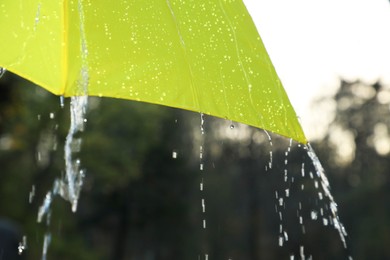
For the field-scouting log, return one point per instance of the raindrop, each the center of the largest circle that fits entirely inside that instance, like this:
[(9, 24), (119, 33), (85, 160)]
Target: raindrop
[(232, 126), (325, 221), (45, 206), (202, 123), (281, 241), (287, 192), (51, 115), (22, 245), (74, 204), (174, 155), (31, 194), (285, 235), (302, 252), (62, 102), (2, 71), (270, 160), (46, 243), (313, 215)]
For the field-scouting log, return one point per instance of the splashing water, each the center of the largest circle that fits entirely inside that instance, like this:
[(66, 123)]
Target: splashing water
[(46, 243), (326, 188), (22, 245), (45, 207), (70, 187)]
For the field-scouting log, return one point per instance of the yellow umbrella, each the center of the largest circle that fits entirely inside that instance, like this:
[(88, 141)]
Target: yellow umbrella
[(200, 55)]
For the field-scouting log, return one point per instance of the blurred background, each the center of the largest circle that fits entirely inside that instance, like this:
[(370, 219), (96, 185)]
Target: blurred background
[(142, 200)]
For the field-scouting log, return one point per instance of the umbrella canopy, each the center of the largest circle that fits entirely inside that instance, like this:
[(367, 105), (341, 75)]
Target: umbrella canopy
[(200, 55)]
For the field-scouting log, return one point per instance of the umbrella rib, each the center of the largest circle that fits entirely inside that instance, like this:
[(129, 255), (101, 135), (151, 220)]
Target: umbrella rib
[(193, 90), (240, 62), (64, 51)]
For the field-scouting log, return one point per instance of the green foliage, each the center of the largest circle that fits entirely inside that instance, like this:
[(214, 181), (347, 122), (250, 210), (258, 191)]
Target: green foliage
[(361, 185)]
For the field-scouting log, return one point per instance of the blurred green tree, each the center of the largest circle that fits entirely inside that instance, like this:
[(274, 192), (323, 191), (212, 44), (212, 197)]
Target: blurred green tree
[(141, 197), (356, 153)]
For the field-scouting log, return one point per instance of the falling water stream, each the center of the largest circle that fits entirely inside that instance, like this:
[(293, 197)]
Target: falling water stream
[(69, 186), (335, 220), (201, 169)]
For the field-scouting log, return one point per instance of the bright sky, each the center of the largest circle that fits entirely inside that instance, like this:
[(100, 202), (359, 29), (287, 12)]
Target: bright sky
[(312, 43)]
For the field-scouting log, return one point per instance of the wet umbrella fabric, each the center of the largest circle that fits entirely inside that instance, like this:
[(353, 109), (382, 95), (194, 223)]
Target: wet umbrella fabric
[(203, 56)]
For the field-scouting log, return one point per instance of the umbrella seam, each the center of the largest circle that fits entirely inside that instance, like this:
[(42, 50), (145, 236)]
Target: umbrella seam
[(64, 52), (249, 83), (195, 93)]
